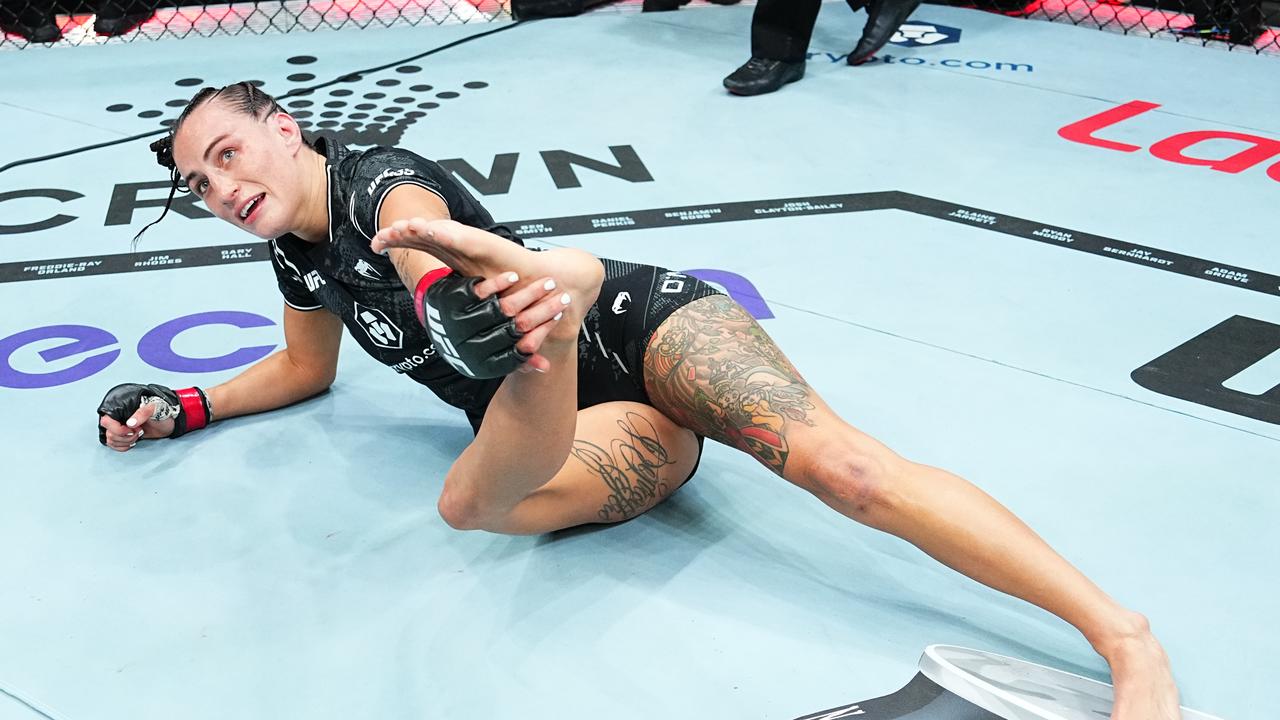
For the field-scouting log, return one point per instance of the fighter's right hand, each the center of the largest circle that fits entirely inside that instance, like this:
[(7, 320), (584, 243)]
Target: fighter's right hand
[(131, 412)]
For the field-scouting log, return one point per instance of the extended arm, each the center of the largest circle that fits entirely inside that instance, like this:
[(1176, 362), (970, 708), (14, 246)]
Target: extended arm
[(305, 367)]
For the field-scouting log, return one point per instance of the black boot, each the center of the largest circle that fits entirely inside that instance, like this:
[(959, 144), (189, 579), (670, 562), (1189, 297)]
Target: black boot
[(37, 26), (884, 17), (117, 17), (761, 75)]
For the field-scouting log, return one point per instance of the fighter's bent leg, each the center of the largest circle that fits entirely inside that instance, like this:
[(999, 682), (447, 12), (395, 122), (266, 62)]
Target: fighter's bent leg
[(530, 424), (626, 458)]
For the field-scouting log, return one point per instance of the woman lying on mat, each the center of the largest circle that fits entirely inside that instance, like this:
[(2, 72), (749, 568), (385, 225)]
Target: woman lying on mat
[(590, 383)]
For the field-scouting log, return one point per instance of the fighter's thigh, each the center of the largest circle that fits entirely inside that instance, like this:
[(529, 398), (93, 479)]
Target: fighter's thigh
[(711, 368), (626, 458)]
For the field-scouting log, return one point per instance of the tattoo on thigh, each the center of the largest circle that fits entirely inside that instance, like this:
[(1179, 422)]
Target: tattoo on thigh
[(629, 468), (714, 370)]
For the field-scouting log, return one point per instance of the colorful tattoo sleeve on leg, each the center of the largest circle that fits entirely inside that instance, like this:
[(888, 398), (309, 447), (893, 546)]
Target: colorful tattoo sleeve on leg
[(713, 369)]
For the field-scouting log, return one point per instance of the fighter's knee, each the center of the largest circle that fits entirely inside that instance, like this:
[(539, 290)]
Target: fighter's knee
[(459, 510), (862, 482)]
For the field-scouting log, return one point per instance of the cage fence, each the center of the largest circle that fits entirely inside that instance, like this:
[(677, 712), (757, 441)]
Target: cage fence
[(1237, 25)]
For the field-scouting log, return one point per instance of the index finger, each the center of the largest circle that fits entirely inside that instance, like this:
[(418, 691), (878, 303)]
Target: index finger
[(496, 285)]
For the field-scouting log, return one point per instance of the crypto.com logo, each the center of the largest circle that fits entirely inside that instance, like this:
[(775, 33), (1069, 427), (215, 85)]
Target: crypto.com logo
[(924, 34)]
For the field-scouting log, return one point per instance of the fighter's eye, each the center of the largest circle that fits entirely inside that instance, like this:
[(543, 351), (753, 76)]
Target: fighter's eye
[(228, 154), (202, 187)]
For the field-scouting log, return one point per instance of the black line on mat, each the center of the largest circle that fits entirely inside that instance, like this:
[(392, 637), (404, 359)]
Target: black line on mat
[(682, 216)]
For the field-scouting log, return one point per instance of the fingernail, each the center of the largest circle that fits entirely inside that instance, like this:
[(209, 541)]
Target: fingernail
[(549, 285), (133, 444), (558, 316), (132, 423), (512, 277), (141, 433), (539, 370), (564, 299), (129, 434)]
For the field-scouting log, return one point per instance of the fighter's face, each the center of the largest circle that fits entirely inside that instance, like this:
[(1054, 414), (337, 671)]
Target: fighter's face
[(242, 167)]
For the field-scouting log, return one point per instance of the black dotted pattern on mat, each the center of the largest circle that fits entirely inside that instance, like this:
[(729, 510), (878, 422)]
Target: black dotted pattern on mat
[(345, 115)]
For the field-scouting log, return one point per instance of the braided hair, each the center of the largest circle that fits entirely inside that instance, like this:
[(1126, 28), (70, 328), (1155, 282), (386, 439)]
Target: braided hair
[(242, 97)]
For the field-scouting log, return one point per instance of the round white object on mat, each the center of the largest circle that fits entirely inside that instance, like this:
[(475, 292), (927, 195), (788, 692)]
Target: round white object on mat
[(1018, 690)]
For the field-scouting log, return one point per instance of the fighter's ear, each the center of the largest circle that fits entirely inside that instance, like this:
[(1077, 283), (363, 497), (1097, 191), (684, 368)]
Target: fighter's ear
[(286, 127)]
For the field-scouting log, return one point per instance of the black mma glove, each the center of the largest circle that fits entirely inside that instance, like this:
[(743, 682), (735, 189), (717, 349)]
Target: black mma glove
[(473, 335), (188, 407)]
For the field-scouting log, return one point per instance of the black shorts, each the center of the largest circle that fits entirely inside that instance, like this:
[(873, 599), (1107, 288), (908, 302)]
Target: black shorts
[(634, 301)]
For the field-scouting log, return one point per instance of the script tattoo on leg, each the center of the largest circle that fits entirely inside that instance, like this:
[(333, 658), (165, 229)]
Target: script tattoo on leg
[(629, 468), (714, 370)]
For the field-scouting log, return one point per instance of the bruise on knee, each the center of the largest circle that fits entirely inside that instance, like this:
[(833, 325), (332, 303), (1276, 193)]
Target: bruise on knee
[(858, 482)]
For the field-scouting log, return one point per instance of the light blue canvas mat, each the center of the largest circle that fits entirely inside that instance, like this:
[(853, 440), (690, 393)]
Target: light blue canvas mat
[(951, 272)]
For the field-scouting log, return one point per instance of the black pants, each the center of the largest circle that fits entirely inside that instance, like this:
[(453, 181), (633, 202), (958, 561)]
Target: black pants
[(781, 29), (26, 12)]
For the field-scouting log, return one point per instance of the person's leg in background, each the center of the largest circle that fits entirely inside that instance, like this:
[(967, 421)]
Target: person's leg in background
[(117, 17), (664, 5), (780, 33), (32, 19), (884, 17)]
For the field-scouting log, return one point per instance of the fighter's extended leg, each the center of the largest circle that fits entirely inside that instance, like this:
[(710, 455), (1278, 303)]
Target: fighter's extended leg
[(712, 368)]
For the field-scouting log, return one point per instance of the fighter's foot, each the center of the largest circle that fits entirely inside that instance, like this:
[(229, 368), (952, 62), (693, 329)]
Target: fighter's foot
[(470, 251), (1144, 686), (476, 253)]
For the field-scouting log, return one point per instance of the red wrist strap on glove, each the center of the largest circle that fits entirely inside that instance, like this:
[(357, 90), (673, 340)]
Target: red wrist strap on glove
[(420, 291), (194, 406)]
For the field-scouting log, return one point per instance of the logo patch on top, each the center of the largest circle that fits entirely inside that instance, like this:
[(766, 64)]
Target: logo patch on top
[(381, 331), (918, 34), (367, 270), (388, 173)]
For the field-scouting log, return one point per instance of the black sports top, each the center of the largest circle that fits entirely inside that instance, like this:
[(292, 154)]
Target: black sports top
[(360, 286)]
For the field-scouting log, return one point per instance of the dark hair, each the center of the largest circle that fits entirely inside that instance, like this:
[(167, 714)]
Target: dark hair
[(242, 97)]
